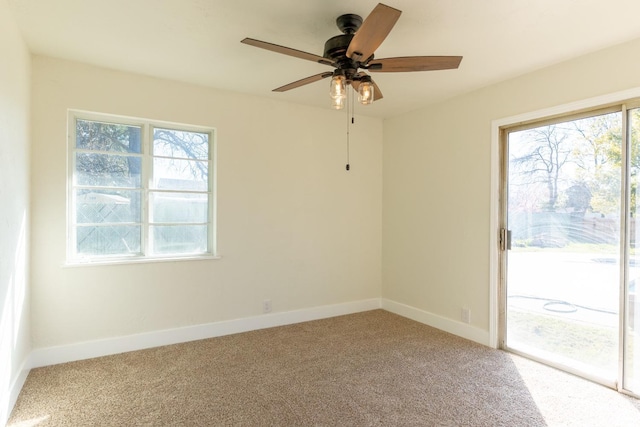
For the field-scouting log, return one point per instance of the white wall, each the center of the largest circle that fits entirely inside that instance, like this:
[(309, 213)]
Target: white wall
[(14, 210), (293, 225), (437, 190)]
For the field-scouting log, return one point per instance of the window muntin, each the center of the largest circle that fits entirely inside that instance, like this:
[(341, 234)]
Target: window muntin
[(139, 189)]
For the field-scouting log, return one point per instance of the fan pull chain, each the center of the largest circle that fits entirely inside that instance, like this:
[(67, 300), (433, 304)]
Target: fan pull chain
[(353, 105), (348, 114)]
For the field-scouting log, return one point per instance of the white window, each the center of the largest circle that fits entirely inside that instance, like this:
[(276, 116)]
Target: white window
[(139, 189)]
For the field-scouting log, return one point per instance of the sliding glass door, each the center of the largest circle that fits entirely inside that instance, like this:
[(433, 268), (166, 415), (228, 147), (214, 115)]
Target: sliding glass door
[(569, 243), (631, 351)]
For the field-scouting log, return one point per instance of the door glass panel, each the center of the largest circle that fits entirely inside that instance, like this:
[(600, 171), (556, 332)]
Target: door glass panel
[(563, 269), (631, 379)]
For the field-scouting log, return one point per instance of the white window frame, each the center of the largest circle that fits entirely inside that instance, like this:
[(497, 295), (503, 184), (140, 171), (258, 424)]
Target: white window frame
[(147, 126)]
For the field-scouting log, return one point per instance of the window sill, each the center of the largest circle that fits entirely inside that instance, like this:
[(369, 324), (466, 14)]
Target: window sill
[(122, 261)]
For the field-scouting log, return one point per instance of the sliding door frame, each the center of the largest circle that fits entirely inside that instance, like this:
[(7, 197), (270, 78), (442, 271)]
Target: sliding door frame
[(619, 101)]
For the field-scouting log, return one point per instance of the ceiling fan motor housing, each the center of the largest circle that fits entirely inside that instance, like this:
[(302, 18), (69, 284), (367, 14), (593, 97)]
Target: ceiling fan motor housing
[(336, 47)]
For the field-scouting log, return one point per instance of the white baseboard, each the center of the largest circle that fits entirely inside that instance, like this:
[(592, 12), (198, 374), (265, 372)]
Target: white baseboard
[(90, 349), (463, 330), (9, 401)]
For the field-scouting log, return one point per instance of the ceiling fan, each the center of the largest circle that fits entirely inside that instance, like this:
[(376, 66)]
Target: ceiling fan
[(353, 51)]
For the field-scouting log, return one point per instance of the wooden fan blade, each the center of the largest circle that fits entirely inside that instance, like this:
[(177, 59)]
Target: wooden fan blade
[(414, 63), (377, 93), (375, 28), (287, 51), (304, 81)]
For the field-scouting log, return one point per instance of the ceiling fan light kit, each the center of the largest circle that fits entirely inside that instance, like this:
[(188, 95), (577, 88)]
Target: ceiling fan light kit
[(354, 50)]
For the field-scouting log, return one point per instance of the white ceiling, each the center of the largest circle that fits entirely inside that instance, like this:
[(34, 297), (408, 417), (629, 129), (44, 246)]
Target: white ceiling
[(198, 41)]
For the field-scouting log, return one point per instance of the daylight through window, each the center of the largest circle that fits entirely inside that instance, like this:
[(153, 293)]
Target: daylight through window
[(139, 189)]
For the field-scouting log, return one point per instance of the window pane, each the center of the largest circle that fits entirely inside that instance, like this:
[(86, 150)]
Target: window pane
[(179, 207), (181, 144), (179, 239), (105, 170), (172, 174), (108, 240), (107, 137), (97, 206)]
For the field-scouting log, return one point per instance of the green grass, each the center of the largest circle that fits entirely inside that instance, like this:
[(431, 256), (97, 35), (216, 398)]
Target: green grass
[(583, 342)]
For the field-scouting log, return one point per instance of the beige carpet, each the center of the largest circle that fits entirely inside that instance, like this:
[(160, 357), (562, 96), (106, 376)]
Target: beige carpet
[(367, 369)]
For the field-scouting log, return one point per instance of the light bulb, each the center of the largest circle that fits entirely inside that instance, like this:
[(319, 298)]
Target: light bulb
[(337, 103), (365, 92), (338, 89)]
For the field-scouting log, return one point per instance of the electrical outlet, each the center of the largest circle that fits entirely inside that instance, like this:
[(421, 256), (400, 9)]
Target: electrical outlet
[(266, 306), (466, 315)]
